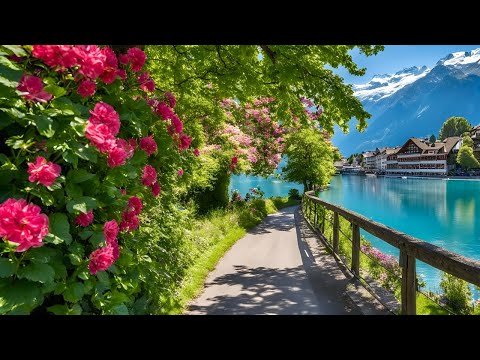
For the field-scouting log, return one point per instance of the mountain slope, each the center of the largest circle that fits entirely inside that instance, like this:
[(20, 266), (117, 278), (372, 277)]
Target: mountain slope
[(415, 102)]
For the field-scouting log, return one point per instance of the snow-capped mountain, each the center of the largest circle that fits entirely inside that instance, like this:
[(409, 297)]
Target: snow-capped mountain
[(415, 102)]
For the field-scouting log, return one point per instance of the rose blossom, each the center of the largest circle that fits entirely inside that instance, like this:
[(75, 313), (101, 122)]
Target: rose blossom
[(101, 259), (109, 73), (43, 172), (84, 219), (116, 157), (127, 146), (58, 57), (180, 172), (100, 136), (129, 221), (33, 87), (104, 113), (148, 145), (22, 223), (155, 189), (185, 141), (196, 152), (110, 232), (137, 58), (86, 88), (135, 205), (149, 175), (171, 99), (91, 60)]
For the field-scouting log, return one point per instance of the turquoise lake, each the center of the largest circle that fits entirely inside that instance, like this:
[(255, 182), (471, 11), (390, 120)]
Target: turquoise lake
[(443, 212)]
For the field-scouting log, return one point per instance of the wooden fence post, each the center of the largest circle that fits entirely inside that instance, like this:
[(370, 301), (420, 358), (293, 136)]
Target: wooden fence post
[(356, 249), (336, 226), (409, 289), (315, 216)]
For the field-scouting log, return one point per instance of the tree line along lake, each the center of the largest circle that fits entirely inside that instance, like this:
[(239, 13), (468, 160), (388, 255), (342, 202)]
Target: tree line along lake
[(440, 211)]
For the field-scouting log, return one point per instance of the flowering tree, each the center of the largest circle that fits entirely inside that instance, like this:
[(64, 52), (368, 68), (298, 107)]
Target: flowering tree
[(86, 143)]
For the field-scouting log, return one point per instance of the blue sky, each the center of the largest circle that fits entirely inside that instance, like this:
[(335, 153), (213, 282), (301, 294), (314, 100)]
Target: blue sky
[(398, 57)]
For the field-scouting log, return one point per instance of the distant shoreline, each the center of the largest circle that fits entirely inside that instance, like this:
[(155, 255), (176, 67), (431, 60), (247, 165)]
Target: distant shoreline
[(472, 178)]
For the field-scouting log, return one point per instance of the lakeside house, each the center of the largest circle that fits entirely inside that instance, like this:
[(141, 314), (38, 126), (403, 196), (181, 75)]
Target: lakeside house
[(420, 157), (475, 135)]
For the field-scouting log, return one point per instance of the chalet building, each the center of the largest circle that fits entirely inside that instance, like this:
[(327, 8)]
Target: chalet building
[(475, 135), (420, 157), (369, 160), (381, 158)]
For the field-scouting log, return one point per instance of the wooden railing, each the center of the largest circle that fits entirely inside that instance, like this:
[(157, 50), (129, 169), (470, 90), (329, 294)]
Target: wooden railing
[(410, 248)]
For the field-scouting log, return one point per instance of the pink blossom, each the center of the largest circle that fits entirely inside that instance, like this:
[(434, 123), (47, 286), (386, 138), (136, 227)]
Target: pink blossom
[(104, 113), (127, 146), (86, 88), (124, 59), (177, 124), (233, 163), (155, 189), (129, 221), (149, 175), (91, 59), (185, 141), (137, 58), (22, 223), (180, 172), (148, 86), (196, 152), (109, 73), (164, 111), (115, 251), (116, 157), (100, 136), (171, 99), (84, 219), (110, 232), (123, 191), (101, 259), (43, 172), (148, 145), (33, 87), (121, 73), (58, 57), (135, 205)]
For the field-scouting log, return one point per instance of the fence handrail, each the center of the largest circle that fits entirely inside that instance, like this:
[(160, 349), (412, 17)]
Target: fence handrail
[(442, 259)]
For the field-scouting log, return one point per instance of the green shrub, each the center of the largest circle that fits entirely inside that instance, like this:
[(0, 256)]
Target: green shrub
[(456, 293), (294, 194)]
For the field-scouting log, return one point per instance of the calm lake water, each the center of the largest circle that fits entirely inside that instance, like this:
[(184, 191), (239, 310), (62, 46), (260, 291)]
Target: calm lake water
[(271, 186), (443, 212)]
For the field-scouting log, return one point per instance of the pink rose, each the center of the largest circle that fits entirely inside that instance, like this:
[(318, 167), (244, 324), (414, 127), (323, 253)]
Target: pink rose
[(185, 141), (177, 124), (22, 223), (33, 87), (129, 221), (104, 113), (155, 189), (137, 58), (171, 99), (148, 145), (43, 172), (91, 59), (110, 232), (127, 146), (84, 219), (86, 88), (196, 152), (101, 259), (121, 73), (58, 57), (180, 172), (116, 157), (149, 175), (124, 59), (100, 136), (148, 86), (135, 205), (109, 73)]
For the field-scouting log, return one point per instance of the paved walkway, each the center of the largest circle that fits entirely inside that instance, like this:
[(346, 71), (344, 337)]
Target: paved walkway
[(272, 270)]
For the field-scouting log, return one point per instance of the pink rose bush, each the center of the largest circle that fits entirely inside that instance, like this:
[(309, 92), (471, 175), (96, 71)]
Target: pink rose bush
[(82, 113)]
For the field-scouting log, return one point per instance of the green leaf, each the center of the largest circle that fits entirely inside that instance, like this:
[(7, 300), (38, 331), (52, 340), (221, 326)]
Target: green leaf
[(79, 175), (60, 227), (70, 157), (65, 310), (84, 152), (16, 293), (82, 204), (79, 125), (7, 267), (65, 105), (15, 49), (9, 73), (74, 292), (97, 239), (75, 259), (41, 255), (52, 239), (55, 90), (103, 278), (120, 310), (73, 190), (45, 125), (83, 275), (37, 272), (85, 234)]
